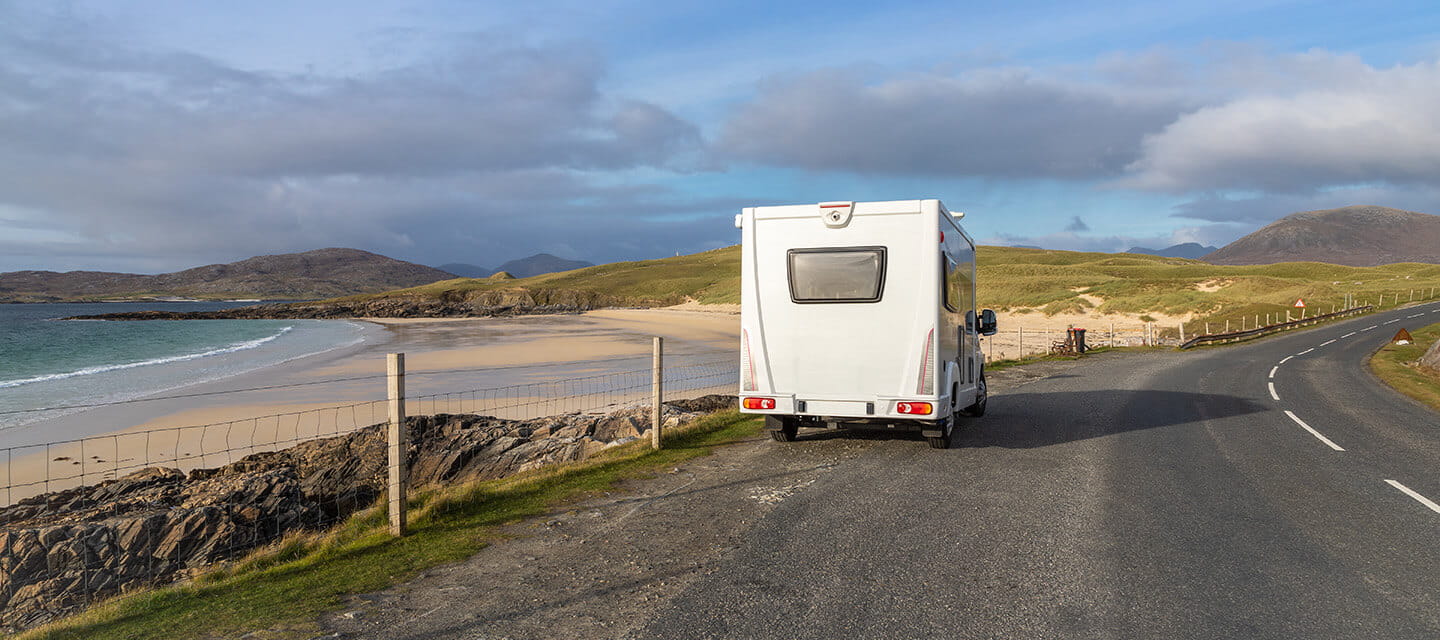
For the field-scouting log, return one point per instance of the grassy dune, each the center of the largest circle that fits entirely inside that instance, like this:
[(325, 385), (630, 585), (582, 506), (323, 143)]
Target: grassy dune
[(1011, 279)]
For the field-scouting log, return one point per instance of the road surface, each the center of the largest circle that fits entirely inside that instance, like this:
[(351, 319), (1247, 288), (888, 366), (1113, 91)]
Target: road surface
[(1265, 490)]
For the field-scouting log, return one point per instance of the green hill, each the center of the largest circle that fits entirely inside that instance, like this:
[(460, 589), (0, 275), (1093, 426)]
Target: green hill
[(1010, 279)]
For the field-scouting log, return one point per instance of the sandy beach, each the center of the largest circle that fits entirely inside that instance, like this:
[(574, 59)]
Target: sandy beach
[(510, 367)]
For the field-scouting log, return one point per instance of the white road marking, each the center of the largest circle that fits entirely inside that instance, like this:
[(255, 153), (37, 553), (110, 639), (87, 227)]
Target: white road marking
[(1368, 328), (1273, 370), (1313, 432), (1274, 395), (1305, 351), (1421, 499), (1287, 359), (1327, 342), (1392, 321), (1347, 335), (1415, 316)]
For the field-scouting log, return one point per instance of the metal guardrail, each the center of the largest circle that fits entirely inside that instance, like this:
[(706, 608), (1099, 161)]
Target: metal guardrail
[(1236, 336)]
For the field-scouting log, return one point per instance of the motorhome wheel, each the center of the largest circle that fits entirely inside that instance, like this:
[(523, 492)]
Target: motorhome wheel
[(781, 428)]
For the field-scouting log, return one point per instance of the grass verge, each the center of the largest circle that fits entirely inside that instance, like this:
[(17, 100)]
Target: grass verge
[(1395, 365), (284, 588)]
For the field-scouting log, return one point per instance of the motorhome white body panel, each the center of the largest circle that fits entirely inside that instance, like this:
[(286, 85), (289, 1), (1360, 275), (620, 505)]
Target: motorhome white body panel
[(819, 341)]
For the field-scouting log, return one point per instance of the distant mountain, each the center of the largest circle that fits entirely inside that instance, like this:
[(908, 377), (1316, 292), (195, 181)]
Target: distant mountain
[(313, 274), (541, 263), (466, 270), (1191, 250), (1360, 236)]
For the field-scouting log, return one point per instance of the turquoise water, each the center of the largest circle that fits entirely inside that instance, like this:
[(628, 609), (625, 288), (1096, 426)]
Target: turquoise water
[(47, 362)]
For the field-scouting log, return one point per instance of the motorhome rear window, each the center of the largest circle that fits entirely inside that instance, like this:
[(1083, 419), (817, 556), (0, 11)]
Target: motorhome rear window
[(848, 274)]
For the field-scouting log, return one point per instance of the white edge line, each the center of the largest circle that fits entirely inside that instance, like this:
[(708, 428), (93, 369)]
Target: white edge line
[(1273, 370), (1313, 432), (1421, 499), (1305, 351), (1287, 359), (1327, 343), (1274, 395)]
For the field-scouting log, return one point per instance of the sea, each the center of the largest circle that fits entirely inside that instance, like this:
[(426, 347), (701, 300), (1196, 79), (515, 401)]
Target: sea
[(48, 365)]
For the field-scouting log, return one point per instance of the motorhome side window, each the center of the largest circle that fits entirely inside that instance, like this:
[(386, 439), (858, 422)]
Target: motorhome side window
[(846, 274)]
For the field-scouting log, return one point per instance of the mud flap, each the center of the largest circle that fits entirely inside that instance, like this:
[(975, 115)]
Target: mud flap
[(935, 429)]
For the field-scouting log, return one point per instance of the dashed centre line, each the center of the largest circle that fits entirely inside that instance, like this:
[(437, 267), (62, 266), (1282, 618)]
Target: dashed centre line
[(1369, 328), (1347, 335), (1273, 370), (1315, 433), (1416, 315), (1327, 342), (1305, 351), (1418, 498), (1274, 395), (1286, 359), (1391, 321)]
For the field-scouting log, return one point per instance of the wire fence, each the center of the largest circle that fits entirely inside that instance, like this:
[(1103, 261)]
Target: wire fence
[(90, 518)]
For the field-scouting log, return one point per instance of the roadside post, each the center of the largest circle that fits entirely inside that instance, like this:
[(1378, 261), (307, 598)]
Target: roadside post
[(656, 380), (398, 438)]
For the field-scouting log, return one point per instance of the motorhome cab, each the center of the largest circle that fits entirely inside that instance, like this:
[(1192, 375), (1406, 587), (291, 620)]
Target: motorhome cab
[(860, 314)]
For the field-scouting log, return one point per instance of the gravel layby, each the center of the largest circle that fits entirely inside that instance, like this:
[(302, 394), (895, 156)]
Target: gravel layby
[(603, 568)]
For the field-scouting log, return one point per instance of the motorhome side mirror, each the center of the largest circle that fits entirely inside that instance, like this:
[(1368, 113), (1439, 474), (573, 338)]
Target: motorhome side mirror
[(988, 324)]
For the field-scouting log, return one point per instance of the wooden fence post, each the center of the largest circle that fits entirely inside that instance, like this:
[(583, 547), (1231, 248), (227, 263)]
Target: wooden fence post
[(656, 381), (399, 439)]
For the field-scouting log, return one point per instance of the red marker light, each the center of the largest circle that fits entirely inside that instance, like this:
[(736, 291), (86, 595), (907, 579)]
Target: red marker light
[(758, 403), (915, 408)]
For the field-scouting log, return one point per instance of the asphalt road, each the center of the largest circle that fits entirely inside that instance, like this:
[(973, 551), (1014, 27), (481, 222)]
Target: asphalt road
[(1158, 496), (1149, 495)]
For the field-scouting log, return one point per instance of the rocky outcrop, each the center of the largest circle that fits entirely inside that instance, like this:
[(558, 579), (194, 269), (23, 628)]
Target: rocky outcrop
[(61, 551), (1431, 359), (449, 304)]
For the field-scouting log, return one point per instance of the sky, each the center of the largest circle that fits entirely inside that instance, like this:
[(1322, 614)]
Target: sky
[(153, 135)]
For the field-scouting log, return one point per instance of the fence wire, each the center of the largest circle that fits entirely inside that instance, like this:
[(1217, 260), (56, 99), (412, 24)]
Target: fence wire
[(90, 518)]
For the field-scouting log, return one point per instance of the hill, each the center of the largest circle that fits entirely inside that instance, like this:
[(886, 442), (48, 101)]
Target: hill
[(465, 270), (1191, 250), (320, 273), (541, 263), (538, 264), (1361, 236)]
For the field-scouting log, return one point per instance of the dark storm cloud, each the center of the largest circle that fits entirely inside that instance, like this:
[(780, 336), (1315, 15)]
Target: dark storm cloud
[(135, 151), (1003, 124)]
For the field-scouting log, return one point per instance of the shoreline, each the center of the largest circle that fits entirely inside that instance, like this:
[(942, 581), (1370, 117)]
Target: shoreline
[(449, 357)]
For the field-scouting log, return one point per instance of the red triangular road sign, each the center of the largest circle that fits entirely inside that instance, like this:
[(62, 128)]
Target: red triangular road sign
[(1402, 337), (1300, 304)]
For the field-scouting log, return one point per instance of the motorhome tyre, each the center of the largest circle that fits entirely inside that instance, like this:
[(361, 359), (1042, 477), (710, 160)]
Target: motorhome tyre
[(782, 428), (942, 441), (982, 394)]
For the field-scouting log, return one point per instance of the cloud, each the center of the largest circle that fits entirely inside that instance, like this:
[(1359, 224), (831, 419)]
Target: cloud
[(1357, 125), (1001, 123), (134, 152), (1076, 224)]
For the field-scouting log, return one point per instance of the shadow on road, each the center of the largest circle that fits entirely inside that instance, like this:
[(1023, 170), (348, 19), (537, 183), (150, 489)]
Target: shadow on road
[(1029, 420)]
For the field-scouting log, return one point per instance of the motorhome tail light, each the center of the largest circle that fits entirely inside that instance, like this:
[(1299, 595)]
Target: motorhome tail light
[(915, 408), (927, 367), (759, 403), (747, 366)]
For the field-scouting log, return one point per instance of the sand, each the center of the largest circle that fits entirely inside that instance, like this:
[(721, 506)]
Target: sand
[(509, 367)]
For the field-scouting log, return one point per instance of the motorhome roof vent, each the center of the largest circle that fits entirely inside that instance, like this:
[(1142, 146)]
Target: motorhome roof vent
[(836, 214)]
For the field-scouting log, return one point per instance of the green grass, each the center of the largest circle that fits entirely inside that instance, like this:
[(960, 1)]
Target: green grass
[(288, 586), (1016, 280), (1395, 365)]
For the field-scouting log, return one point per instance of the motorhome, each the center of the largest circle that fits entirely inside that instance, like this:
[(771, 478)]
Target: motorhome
[(860, 315)]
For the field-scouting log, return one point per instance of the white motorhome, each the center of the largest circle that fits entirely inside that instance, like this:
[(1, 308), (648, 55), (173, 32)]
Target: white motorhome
[(860, 314)]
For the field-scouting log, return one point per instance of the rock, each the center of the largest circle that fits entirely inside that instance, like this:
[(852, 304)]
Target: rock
[(62, 550), (1431, 359)]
